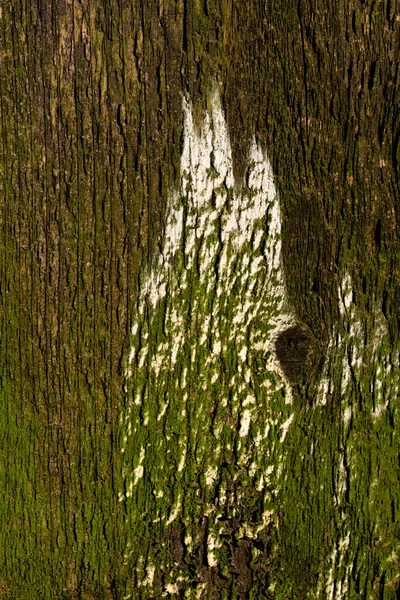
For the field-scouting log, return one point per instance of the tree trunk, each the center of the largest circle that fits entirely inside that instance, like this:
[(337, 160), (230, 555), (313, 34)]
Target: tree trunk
[(199, 300)]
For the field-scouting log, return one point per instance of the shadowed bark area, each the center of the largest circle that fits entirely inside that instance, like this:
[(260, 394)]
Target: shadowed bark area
[(91, 96)]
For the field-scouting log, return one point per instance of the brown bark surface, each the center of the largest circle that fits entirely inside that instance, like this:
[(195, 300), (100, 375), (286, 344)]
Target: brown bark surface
[(91, 136)]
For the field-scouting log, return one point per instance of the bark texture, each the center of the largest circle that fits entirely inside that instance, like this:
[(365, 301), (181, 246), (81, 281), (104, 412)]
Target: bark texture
[(96, 102)]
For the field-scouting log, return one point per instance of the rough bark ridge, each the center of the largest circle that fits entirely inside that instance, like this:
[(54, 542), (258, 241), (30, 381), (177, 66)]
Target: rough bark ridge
[(91, 97)]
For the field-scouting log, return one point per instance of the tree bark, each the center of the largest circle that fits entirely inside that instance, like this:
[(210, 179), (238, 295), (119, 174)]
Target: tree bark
[(199, 299)]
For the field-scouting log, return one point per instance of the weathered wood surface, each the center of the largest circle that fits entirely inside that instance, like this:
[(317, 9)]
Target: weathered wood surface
[(92, 132)]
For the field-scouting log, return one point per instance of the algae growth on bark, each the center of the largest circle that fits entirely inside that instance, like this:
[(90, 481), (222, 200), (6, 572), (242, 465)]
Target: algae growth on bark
[(202, 373), (219, 431), (210, 287)]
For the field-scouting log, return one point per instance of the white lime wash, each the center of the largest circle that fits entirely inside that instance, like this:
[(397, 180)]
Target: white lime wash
[(358, 342), (202, 371), (215, 295)]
